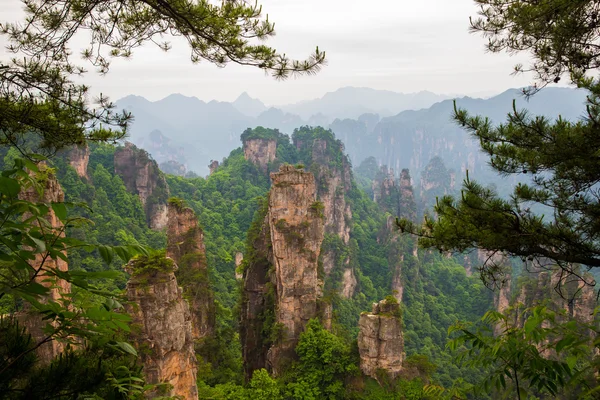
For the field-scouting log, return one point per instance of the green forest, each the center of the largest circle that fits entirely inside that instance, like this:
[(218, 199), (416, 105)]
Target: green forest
[(288, 272)]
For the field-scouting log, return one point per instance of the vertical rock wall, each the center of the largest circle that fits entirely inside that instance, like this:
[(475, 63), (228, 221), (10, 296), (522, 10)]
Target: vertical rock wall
[(380, 340), (260, 151), (281, 284), (296, 229), (142, 176), (52, 193), (162, 326), (185, 245), (79, 158)]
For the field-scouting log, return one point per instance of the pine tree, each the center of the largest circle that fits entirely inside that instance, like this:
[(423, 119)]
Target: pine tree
[(560, 158), (39, 96)]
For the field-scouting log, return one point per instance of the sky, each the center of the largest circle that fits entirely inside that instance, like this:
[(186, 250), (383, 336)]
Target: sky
[(399, 45)]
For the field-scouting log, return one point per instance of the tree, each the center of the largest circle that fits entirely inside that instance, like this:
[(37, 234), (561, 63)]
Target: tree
[(553, 219), (38, 95)]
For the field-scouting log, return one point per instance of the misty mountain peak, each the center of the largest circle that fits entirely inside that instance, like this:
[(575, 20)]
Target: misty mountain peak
[(249, 106)]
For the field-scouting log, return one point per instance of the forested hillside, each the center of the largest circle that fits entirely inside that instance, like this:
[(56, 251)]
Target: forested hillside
[(436, 291)]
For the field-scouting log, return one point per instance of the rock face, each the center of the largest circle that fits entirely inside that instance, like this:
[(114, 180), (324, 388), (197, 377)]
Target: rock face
[(407, 207), (281, 278), (142, 176), (260, 151), (333, 176), (185, 245), (79, 158), (380, 340), (395, 196), (212, 167), (162, 326), (52, 193)]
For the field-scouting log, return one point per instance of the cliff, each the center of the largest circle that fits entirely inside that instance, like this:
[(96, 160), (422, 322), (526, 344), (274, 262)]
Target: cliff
[(260, 151), (79, 157), (333, 175), (162, 326), (142, 176), (380, 340), (281, 289), (33, 322), (185, 245)]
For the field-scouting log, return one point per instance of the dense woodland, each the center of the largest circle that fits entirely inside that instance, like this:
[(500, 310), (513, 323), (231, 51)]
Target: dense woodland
[(470, 289)]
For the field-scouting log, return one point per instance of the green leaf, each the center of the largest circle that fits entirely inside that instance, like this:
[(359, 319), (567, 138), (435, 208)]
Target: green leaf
[(106, 253), (126, 347), (60, 209), (9, 187)]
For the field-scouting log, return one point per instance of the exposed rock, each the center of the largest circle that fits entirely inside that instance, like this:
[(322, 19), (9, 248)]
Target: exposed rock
[(296, 236), (281, 277), (162, 326), (384, 186), (32, 321), (79, 157), (348, 283), (185, 245), (142, 176), (239, 258), (260, 151), (257, 300), (212, 167), (380, 340), (407, 207)]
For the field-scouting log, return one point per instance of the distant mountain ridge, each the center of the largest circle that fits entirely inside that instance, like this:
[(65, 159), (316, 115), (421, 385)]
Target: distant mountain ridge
[(351, 102), (198, 132), (202, 131)]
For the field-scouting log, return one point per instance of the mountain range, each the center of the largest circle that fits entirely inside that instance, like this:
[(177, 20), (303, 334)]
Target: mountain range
[(399, 130)]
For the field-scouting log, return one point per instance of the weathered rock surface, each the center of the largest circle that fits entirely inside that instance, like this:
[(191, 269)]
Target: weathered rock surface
[(260, 151), (185, 245), (52, 193), (162, 327), (333, 177), (281, 277), (141, 176), (380, 340), (212, 167), (79, 157), (296, 235)]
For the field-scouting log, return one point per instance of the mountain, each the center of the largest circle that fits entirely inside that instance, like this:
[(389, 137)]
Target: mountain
[(350, 102), (411, 139), (249, 106)]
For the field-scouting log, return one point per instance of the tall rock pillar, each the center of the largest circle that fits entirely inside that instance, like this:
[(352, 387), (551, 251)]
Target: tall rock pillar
[(162, 326)]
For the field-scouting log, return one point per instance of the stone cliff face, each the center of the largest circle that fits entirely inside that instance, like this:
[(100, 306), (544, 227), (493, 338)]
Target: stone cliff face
[(79, 158), (260, 151), (162, 326), (281, 278), (185, 245), (212, 167), (380, 340), (384, 185), (407, 207), (52, 193), (296, 235), (333, 176), (575, 298), (395, 196), (142, 176)]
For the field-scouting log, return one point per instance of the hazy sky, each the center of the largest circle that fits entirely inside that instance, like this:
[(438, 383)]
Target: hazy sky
[(399, 45)]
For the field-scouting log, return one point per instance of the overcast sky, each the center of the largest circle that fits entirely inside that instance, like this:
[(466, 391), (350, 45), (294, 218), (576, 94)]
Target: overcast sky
[(399, 45)]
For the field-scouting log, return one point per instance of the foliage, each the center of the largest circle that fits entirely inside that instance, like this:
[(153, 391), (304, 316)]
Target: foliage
[(91, 371), (543, 356), (324, 363), (38, 93)]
